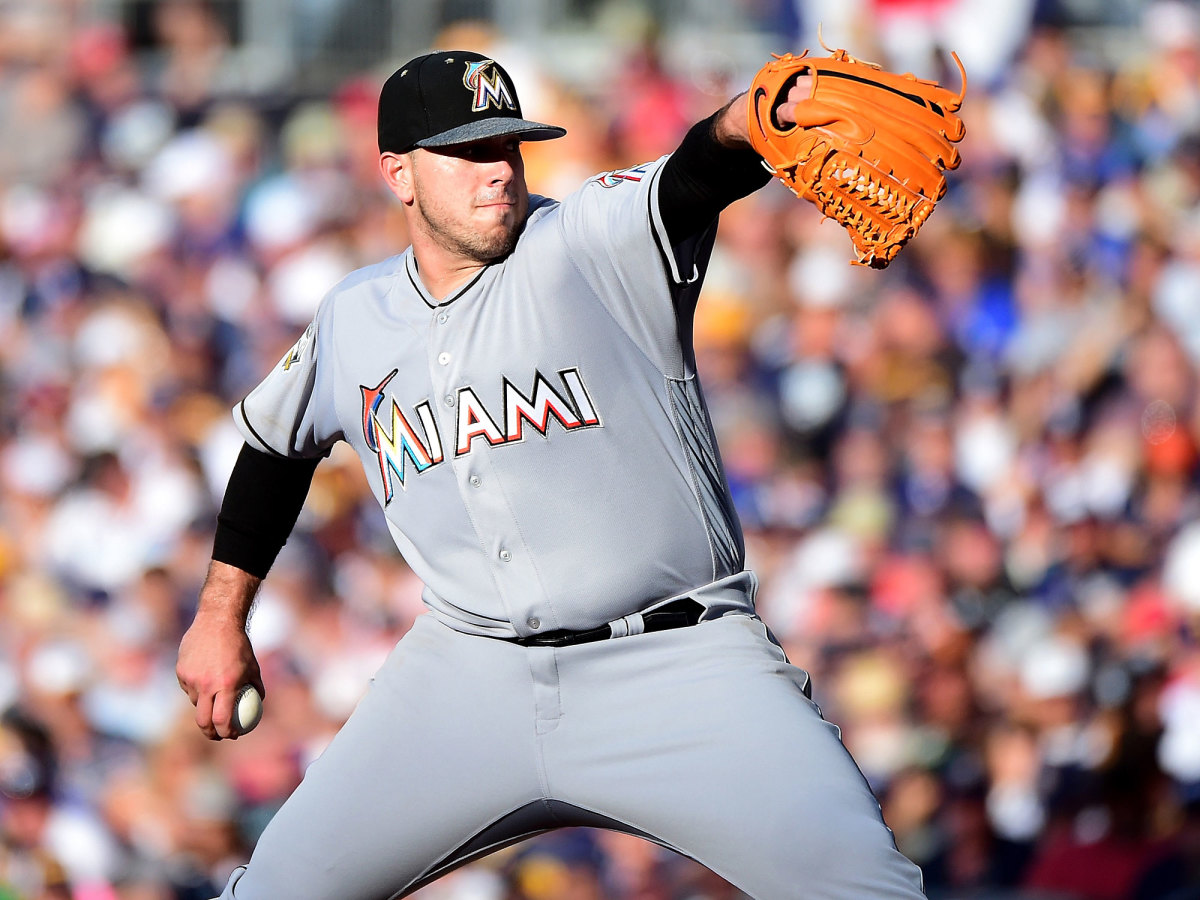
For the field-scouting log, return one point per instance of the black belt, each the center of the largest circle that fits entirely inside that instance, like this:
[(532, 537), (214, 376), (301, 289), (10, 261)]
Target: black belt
[(676, 614)]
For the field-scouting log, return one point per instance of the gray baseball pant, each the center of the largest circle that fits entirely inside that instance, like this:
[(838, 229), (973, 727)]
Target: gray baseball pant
[(699, 738)]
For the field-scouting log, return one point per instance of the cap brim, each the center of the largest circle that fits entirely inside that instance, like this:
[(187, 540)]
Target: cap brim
[(490, 128)]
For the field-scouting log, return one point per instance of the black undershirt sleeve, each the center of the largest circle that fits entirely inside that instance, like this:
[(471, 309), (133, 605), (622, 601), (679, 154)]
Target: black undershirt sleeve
[(262, 502), (702, 177)]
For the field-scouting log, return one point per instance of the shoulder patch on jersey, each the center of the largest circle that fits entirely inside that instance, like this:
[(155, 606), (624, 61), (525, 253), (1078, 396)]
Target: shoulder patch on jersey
[(620, 176), (297, 352)]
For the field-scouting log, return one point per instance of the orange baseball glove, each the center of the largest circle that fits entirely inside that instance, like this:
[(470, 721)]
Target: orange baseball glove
[(868, 147)]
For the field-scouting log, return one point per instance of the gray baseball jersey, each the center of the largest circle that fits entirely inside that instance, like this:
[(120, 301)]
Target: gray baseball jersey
[(538, 440), (542, 453)]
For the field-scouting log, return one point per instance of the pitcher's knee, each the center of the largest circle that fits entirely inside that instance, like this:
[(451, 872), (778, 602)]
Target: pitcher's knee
[(839, 857)]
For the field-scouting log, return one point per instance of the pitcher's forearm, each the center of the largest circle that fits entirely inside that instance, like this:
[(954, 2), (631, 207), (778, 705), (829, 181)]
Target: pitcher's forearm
[(731, 129), (228, 594)]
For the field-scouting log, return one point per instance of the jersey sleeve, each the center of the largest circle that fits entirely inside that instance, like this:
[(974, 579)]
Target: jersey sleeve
[(291, 412), (614, 233)]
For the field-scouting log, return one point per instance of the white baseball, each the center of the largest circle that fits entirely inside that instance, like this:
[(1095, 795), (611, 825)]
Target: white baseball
[(247, 709)]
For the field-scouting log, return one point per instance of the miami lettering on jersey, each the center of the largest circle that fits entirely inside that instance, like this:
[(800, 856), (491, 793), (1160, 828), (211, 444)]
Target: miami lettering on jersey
[(488, 90), (398, 445)]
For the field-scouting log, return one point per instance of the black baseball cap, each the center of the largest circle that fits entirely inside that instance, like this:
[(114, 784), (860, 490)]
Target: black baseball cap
[(452, 97)]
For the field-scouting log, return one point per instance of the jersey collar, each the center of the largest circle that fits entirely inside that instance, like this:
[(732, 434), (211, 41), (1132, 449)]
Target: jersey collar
[(414, 277)]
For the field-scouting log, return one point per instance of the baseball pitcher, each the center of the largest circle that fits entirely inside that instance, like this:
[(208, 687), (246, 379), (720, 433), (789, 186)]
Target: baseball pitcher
[(521, 389)]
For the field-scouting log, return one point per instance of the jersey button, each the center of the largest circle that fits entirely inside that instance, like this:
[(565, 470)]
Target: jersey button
[(442, 317), (449, 399), (534, 622), (443, 358), (475, 480), (505, 556)]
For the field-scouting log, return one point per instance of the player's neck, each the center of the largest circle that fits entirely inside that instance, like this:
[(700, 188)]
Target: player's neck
[(442, 271)]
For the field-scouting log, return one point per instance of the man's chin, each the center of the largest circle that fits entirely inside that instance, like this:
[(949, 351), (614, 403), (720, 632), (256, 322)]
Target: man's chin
[(499, 241), (501, 248)]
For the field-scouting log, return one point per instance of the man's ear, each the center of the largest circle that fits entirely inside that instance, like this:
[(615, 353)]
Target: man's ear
[(396, 169)]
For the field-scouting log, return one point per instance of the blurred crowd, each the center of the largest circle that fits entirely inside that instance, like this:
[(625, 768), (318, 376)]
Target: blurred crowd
[(969, 483)]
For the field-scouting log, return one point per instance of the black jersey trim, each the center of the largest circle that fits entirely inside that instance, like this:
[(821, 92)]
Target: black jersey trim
[(258, 437), (661, 238), (411, 263)]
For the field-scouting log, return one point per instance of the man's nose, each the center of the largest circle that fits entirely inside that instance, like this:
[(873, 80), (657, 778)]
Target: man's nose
[(500, 171)]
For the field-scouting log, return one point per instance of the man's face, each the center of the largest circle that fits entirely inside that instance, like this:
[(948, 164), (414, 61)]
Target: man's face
[(472, 198)]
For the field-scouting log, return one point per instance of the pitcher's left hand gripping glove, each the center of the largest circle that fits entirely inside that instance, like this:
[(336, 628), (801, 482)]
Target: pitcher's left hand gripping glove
[(868, 146)]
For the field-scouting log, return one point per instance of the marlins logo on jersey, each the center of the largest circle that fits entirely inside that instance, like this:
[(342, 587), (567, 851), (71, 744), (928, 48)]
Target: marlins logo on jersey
[(399, 446), (489, 89), (619, 176), (297, 352)]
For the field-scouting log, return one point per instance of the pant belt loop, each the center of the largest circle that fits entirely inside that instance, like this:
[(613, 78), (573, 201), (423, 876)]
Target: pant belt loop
[(627, 625)]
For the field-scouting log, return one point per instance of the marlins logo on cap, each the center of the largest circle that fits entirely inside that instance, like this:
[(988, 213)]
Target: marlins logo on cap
[(488, 88)]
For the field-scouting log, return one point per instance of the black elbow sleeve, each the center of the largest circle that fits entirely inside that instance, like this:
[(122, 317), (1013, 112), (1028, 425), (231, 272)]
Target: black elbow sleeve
[(262, 502), (702, 177)]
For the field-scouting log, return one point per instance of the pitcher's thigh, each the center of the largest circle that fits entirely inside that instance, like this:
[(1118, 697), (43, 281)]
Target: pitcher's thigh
[(717, 752), (405, 782)]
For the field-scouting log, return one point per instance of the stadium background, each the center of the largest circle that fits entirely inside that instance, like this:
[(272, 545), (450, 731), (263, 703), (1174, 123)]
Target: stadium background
[(969, 483)]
